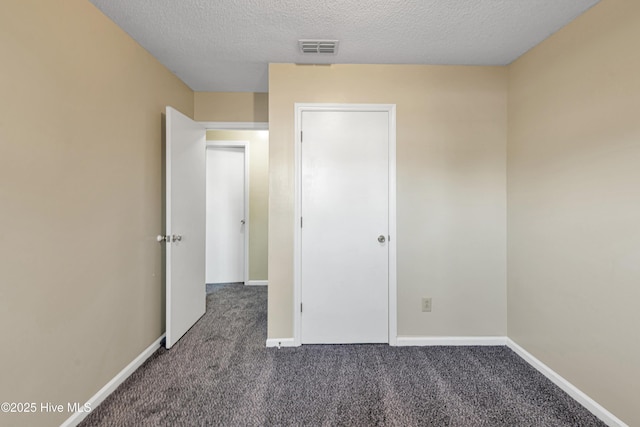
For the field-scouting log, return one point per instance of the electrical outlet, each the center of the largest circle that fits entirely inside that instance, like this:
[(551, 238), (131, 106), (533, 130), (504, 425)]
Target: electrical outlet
[(426, 304)]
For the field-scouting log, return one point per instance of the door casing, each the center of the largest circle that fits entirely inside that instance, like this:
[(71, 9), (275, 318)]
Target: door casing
[(299, 108)]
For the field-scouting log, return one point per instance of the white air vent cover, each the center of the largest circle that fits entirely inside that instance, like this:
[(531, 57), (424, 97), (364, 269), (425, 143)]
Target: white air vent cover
[(318, 46)]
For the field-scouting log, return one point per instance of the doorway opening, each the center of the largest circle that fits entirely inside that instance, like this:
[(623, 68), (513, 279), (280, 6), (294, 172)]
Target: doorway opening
[(227, 212), (243, 156)]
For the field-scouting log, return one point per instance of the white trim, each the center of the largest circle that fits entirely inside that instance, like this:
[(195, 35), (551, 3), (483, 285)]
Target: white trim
[(110, 387), (393, 286), (227, 144), (281, 342), (594, 407), (235, 125), (246, 146), (407, 341), (257, 283), (297, 280)]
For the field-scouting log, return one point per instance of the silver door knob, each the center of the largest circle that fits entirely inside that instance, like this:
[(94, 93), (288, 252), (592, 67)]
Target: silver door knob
[(161, 238), (382, 239), (176, 238), (242, 221)]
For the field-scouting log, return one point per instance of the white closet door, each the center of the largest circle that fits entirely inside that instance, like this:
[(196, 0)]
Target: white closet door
[(345, 211)]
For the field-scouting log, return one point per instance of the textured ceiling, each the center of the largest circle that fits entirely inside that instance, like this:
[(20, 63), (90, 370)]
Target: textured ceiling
[(226, 45)]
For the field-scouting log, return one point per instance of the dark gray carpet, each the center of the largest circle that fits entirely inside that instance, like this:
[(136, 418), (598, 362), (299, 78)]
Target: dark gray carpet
[(212, 287), (220, 373)]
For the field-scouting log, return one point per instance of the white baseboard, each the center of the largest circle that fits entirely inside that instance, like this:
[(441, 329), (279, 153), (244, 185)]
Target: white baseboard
[(594, 407), (429, 341), (281, 342), (257, 283), (110, 387)]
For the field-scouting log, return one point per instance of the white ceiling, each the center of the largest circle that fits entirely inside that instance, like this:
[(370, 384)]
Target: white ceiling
[(226, 45)]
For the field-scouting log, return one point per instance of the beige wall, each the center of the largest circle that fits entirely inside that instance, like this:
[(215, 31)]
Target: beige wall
[(574, 206), (80, 201), (451, 193), (231, 107), (258, 194)]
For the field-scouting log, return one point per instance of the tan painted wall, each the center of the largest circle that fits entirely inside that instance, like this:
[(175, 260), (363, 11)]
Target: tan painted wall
[(258, 194), (80, 201), (451, 193), (231, 107), (574, 205)]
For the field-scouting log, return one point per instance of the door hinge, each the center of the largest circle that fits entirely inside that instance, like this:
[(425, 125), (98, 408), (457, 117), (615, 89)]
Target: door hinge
[(300, 222), (300, 307), (300, 136)]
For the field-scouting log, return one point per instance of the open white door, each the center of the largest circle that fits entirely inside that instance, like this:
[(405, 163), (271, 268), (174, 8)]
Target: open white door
[(185, 227)]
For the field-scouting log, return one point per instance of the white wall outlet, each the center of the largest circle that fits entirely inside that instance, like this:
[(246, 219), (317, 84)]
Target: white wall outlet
[(426, 304)]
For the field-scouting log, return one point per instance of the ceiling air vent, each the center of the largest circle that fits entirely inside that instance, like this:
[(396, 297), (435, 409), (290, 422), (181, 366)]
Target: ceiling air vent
[(318, 46)]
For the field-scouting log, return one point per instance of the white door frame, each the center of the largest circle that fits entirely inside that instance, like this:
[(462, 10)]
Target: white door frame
[(299, 108), (245, 145)]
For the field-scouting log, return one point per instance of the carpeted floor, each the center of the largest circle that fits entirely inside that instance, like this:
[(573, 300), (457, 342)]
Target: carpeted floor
[(221, 374)]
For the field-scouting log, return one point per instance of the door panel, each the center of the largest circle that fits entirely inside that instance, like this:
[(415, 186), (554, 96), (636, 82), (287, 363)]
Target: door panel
[(345, 208), (185, 227), (226, 224)]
